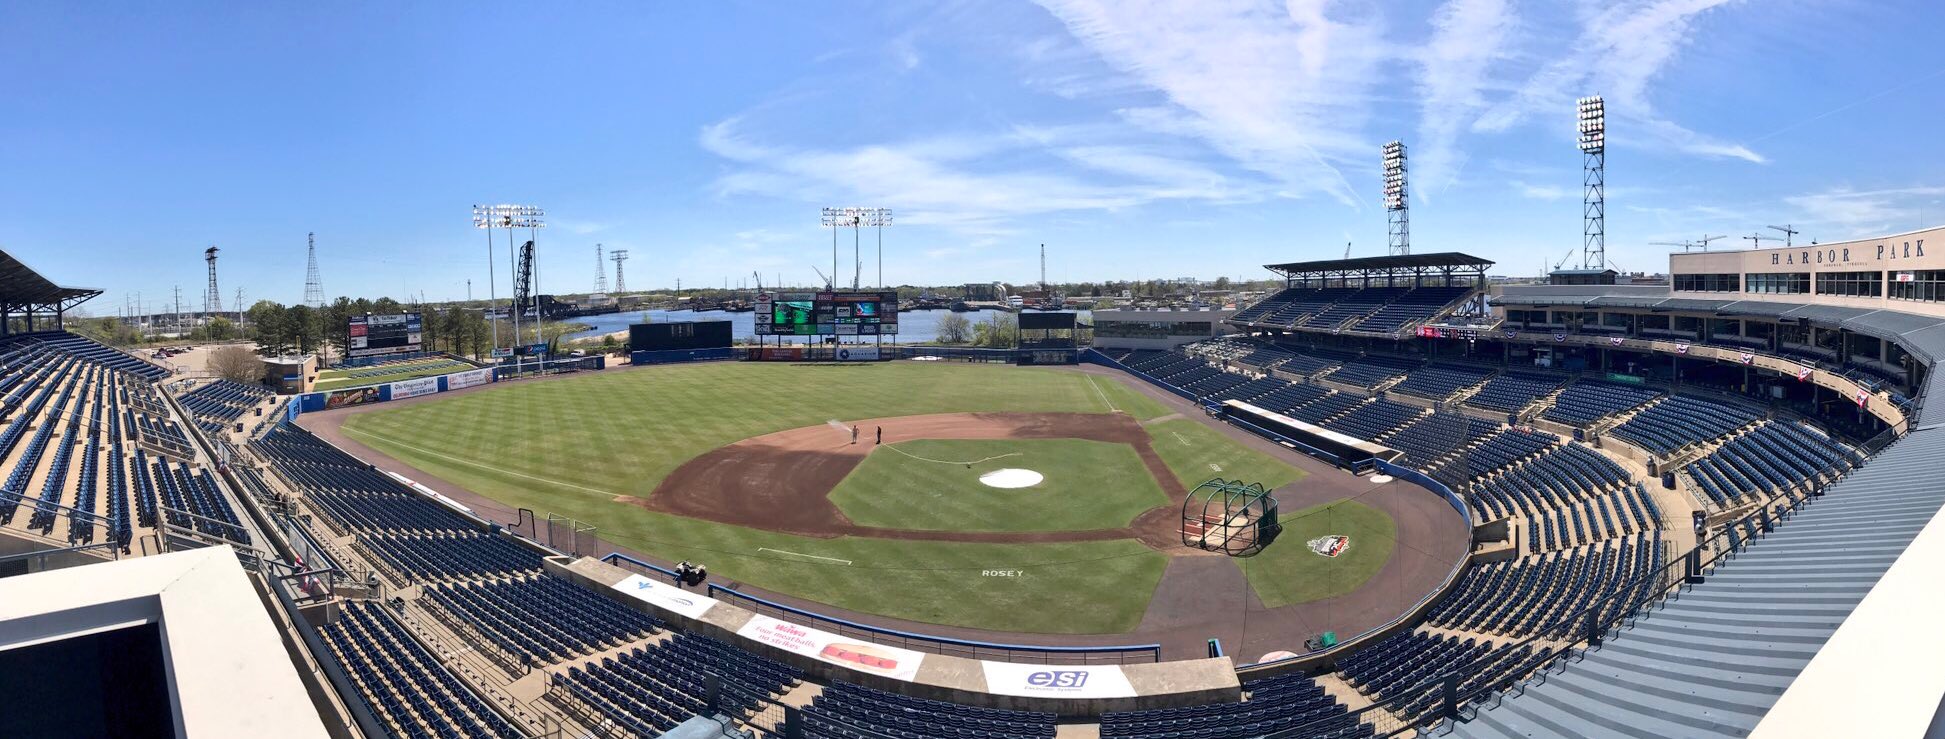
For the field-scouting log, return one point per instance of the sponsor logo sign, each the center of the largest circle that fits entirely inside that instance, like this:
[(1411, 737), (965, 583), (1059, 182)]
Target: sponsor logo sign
[(1863, 396), (1615, 340), (824, 646), (354, 396), (1559, 337), (1331, 545), (502, 352), (414, 388), (1747, 358), (1681, 348), (857, 353), (470, 378), (1057, 681), (1802, 374), (665, 596)]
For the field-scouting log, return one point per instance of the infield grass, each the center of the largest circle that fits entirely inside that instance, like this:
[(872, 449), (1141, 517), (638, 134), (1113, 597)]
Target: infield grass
[(1289, 572), (934, 484), (1196, 453), (569, 446)]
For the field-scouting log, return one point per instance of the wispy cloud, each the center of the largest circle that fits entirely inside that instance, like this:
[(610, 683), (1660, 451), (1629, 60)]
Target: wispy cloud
[(1861, 212), (1621, 49), (1540, 192), (954, 181), (1282, 89), (1467, 37)]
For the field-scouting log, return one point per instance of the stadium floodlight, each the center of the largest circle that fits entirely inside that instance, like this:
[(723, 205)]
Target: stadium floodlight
[(509, 217), (1396, 199), (1592, 121), (856, 218), (1591, 117)]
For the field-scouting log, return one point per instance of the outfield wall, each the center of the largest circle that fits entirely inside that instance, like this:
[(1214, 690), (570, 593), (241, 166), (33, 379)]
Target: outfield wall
[(400, 390)]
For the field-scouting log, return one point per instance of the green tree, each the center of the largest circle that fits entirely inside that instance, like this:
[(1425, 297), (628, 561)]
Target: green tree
[(267, 320), (954, 329), (1003, 332)]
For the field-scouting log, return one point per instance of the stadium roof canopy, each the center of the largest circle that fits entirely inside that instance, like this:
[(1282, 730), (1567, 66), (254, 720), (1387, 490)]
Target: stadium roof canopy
[(1442, 262), (23, 288)]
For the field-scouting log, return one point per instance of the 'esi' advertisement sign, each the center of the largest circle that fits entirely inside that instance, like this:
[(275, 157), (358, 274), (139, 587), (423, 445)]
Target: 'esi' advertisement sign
[(1057, 681)]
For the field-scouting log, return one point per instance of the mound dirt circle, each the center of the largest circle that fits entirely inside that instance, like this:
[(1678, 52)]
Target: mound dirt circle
[(1011, 478), (782, 481)]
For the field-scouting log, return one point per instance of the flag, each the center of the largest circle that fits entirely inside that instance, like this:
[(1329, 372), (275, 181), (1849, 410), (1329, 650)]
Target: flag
[(1863, 396)]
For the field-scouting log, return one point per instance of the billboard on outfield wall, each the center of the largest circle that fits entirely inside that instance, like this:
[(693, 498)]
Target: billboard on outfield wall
[(413, 388), (377, 336), (470, 378), (777, 353), (857, 354), (354, 396)]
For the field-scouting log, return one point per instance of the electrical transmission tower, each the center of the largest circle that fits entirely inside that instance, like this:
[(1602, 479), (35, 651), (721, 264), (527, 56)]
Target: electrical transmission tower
[(313, 285), (601, 271), (212, 298), (620, 255)]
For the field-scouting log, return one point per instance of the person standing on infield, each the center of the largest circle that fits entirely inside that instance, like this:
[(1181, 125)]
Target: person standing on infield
[(881, 435), (854, 434)]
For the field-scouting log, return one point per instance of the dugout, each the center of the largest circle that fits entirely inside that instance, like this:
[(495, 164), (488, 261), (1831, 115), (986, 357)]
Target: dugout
[(679, 336), (1345, 451)]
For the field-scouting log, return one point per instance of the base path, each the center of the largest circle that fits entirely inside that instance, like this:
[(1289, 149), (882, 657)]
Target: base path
[(782, 481)]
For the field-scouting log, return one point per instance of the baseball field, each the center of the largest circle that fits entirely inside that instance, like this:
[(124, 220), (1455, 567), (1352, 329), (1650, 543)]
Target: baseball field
[(1019, 499)]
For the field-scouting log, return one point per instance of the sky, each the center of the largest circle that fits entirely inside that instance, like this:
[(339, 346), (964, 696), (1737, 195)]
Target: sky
[(1134, 139)]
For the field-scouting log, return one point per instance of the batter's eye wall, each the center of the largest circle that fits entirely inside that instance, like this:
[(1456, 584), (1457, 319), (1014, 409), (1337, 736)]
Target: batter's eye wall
[(646, 337)]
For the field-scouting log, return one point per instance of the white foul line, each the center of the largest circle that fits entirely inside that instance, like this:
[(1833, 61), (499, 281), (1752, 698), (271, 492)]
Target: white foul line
[(800, 554), (1104, 396), (471, 463)]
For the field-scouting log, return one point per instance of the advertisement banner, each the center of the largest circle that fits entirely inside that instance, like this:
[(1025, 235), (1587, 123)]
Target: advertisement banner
[(857, 353), (355, 396), (1057, 681), (778, 354), (414, 388), (665, 596), (824, 646), (460, 380)]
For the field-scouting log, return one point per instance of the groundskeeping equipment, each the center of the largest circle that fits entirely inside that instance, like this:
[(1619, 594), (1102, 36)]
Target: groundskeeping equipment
[(1229, 516)]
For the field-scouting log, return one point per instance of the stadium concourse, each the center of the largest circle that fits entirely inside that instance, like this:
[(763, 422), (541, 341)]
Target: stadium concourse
[(1671, 515)]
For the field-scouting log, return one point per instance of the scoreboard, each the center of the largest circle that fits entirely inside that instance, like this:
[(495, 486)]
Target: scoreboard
[(377, 336), (838, 313)]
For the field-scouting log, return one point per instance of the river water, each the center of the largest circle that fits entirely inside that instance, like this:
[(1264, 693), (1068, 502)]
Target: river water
[(913, 326)]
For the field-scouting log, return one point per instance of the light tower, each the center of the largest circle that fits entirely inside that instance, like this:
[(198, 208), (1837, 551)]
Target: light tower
[(1397, 205), (313, 285), (509, 217), (1592, 119), (621, 284), (601, 271), (212, 298)]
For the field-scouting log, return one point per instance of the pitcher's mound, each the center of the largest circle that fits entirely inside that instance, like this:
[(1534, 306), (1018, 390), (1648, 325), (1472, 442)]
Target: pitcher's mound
[(1011, 477)]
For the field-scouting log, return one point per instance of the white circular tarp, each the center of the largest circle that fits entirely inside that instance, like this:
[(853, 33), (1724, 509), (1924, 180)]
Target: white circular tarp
[(1011, 477)]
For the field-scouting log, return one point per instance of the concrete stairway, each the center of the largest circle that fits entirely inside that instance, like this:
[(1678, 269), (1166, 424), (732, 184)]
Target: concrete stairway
[(1713, 661)]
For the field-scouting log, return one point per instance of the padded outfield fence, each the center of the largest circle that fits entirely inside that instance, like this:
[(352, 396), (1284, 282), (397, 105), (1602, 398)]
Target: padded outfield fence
[(945, 645)]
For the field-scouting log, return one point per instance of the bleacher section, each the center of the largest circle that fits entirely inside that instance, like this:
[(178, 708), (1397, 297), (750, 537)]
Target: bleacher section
[(1682, 420), (1770, 460), (1524, 597), (1275, 704), (1384, 310), (1512, 391), (1439, 382), (402, 683), (1412, 307), (542, 619), (1586, 402), (1370, 371), (843, 704), (219, 404), (647, 691)]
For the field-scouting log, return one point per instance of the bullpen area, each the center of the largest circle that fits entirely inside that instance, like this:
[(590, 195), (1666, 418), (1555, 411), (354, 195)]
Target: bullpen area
[(1028, 505)]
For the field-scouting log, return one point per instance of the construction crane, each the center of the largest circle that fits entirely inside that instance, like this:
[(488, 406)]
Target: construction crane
[(1685, 245), (1347, 250), (1704, 241), (828, 285), (758, 276), (1756, 240), (1563, 260), (1789, 234)]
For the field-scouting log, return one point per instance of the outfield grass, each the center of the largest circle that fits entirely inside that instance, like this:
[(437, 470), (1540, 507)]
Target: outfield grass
[(332, 379), (1123, 397), (570, 445), (1288, 572), (1087, 485), (1196, 453)]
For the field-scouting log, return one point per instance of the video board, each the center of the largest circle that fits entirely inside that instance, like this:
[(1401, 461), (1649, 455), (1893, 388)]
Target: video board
[(841, 313), (377, 336)]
